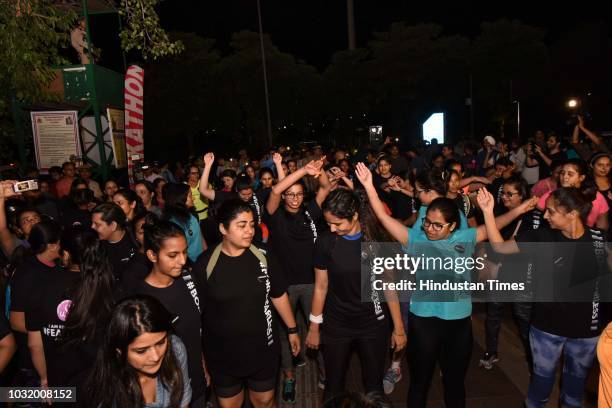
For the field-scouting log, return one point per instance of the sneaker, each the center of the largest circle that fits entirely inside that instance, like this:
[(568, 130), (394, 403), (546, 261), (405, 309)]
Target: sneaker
[(299, 361), (488, 360), (289, 391), (392, 377)]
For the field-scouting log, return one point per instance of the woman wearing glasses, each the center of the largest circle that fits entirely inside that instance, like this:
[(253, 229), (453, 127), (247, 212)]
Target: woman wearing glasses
[(514, 191), (293, 232), (439, 328)]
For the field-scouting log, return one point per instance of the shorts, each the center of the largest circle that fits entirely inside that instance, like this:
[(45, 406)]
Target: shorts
[(227, 385)]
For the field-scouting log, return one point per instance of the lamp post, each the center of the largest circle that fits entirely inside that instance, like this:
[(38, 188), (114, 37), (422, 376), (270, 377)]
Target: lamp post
[(265, 75)]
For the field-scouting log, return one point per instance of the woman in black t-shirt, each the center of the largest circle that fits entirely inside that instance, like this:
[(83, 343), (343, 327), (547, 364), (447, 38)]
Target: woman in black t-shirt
[(240, 285), (169, 282), (109, 221), (69, 309), (293, 233), (557, 328), (338, 291)]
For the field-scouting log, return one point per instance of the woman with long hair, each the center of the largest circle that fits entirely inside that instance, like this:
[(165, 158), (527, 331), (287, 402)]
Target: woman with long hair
[(559, 327), (146, 191), (439, 325), (39, 264), (110, 222), (575, 174), (348, 321), (169, 281), (178, 204), (110, 188), (68, 311), (600, 165), (130, 203), (141, 363), (240, 285), (293, 233)]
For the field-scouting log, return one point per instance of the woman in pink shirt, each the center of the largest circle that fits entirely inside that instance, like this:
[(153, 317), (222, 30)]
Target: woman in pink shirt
[(574, 173)]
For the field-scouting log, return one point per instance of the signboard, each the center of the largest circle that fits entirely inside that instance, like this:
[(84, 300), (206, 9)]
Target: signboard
[(116, 122), (433, 128), (134, 116), (56, 137)]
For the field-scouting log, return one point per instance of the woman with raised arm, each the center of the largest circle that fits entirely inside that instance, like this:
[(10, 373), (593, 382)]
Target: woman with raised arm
[(293, 233), (439, 323), (558, 327), (349, 321)]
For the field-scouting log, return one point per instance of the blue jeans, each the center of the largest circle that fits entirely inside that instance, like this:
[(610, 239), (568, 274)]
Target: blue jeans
[(578, 357)]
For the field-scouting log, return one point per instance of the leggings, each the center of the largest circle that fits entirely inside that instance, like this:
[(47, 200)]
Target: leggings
[(433, 340), (372, 350), (578, 357), (522, 317)]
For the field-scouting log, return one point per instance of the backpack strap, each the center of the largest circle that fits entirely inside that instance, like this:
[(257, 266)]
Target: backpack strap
[(259, 254), (212, 262)]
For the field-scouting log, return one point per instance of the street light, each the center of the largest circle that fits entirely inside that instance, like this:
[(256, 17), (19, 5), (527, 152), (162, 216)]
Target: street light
[(573, 103)]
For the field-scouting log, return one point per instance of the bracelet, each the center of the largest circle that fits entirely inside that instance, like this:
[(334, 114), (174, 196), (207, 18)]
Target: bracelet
[(316, 319), (398, 334), (292, 330)]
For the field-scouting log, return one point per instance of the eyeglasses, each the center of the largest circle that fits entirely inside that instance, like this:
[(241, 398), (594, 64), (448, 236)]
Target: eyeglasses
[(292, 196), (509, 194), (436, 225)]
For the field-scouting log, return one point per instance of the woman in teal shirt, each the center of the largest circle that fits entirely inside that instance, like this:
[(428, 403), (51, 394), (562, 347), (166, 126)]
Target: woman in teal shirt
[(178, 202), (439, 327)]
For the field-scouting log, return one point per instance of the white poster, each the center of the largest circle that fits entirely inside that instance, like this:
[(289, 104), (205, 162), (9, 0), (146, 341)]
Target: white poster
[(56, 137)]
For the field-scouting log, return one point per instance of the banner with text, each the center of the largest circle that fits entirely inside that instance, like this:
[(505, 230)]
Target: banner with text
[(134, 116)]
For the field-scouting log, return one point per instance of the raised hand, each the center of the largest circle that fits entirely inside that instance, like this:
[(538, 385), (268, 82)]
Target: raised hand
[(277, 159), (313, 168), (209, 159), (364, 175), (6, 189), (529, 204), (485, 200), (394, 183)]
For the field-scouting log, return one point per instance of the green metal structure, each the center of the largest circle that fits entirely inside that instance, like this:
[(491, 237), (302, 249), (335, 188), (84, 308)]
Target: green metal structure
[(89, 89)]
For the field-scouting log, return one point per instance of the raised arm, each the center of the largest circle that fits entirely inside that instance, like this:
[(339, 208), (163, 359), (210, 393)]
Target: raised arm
[(6, 238), (278, 163), (395, 228), (209, 160), (324, 186), (313, 168), (591, 135), (506, 218), (489, 230)]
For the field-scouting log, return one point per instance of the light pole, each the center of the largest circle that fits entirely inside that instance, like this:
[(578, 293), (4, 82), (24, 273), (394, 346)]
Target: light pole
[(350, 16), (265, 74)]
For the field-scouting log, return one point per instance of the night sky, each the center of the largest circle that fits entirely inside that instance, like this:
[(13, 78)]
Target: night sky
[(314, 30)]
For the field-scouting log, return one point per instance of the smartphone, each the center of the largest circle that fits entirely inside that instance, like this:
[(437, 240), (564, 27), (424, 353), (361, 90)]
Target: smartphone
[(27, 185)]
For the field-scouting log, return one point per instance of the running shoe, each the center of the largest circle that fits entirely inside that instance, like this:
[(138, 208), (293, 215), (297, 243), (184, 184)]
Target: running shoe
[(488, 361), (289, 391), (392, 377)]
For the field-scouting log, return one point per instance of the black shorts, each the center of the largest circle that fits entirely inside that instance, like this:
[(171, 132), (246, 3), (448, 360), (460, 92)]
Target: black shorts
[(263, 380)]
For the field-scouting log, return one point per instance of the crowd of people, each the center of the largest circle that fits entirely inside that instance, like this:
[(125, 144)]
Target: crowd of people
[(212, 278)]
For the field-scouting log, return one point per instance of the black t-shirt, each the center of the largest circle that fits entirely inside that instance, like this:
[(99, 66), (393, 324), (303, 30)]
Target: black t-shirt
[(26, 278), (345, 312), (402, 206), (75, 217), (121, 253), (182, 299), (47, 313), (136, 269), (292, 241), (465, 205), (238, 320), (571, 263)]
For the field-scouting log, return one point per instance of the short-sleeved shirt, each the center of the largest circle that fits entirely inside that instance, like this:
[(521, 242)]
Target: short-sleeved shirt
[(575, 262), (194, 236), (47, 313), (292, 240), (600, 206), (460, 244), (346, 313), (120, 253), (162, 394), (239, 332)]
